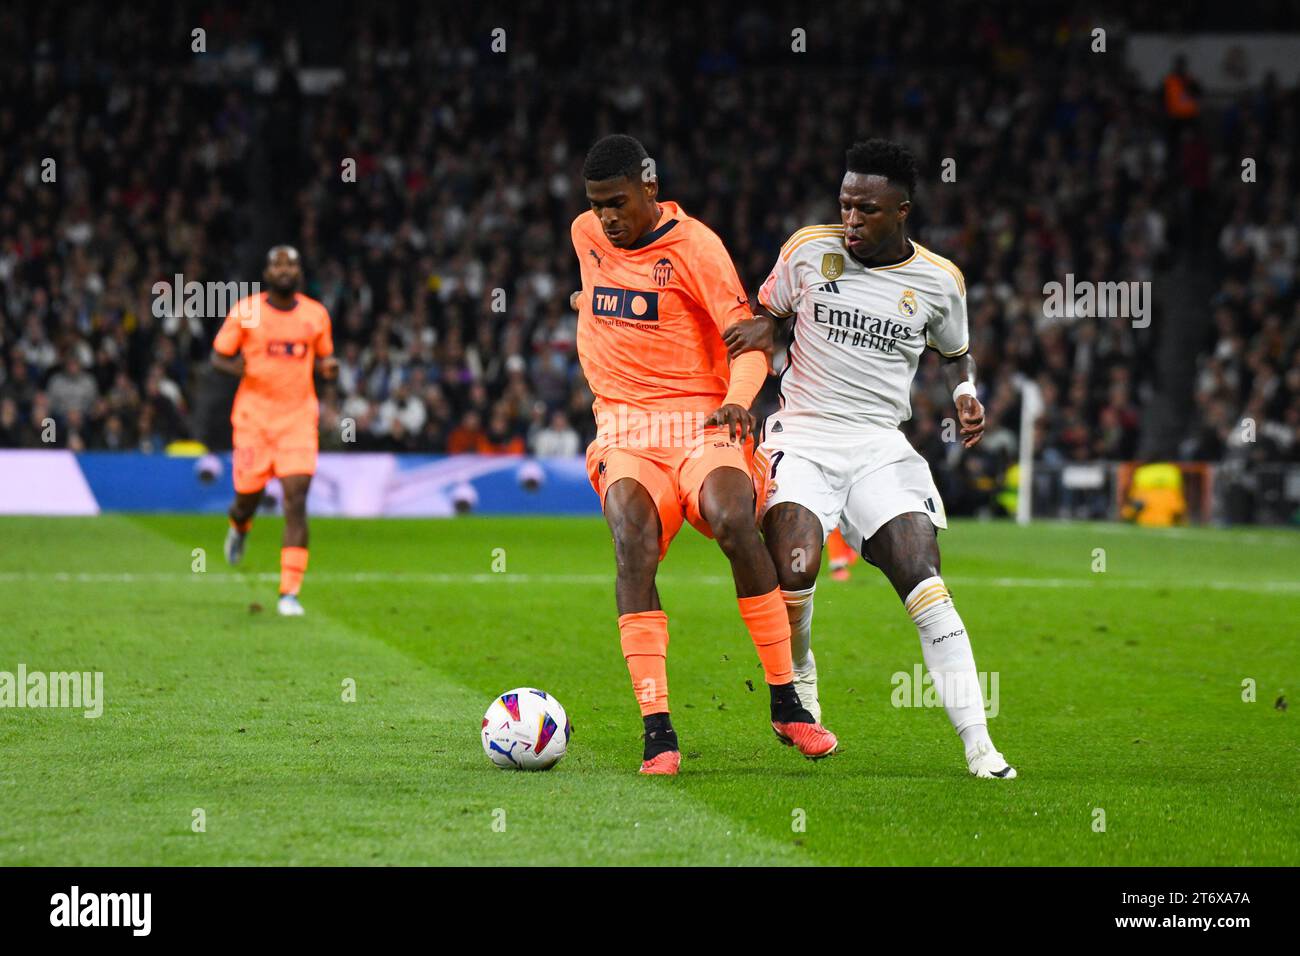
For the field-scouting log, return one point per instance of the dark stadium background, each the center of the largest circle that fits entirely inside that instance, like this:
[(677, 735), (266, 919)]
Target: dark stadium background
[(468, 174)]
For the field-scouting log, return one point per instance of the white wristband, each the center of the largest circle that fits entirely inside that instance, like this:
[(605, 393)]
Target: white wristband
[(965, 388)]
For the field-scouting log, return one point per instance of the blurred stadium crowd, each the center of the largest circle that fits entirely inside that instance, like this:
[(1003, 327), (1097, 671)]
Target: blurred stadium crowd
[(170, 162)]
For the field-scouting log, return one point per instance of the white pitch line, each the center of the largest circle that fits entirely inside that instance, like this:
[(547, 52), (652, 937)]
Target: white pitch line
[(1284, 537), (1096, 583)]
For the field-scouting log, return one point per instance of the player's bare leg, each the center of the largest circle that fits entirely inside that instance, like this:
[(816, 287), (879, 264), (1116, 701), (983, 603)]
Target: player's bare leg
[(293, 551), (634, 524), (794, 540), (727, 503), (906, 549), (241, 521)]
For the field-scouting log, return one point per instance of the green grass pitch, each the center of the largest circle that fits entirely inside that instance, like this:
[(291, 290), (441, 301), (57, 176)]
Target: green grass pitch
[(1119, 691)]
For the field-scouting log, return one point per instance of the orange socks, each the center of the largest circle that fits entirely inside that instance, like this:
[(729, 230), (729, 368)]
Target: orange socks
[(293, 565), (769, 627), (644, 637), (240, 526)]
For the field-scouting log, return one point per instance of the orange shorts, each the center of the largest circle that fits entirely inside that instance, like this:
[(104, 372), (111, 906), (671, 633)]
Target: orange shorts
[(261, 456), (672, 476)]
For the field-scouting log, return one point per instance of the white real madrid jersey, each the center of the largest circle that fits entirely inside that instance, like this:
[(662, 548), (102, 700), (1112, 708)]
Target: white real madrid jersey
[(859, 332)]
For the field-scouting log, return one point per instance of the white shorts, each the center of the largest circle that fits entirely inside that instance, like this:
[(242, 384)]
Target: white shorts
[(857, 484)]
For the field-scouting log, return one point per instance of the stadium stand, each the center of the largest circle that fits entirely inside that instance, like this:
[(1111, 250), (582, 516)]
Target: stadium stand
[(467, 176)]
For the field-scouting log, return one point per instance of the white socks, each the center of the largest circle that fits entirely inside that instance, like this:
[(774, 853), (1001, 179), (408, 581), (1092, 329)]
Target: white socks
[(799, 608), (974, 735), (945, 647)]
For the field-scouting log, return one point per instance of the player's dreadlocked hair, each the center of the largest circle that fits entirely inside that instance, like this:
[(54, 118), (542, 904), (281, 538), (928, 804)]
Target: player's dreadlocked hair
[(614, 157), (881, 157)]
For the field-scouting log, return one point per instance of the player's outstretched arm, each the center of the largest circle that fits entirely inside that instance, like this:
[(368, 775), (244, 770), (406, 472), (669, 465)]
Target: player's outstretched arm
[(959, 373), (749, 347), (230, 364), (757, 334)]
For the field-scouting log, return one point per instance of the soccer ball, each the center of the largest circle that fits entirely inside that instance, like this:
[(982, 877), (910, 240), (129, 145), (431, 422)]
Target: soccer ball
[(526, 729)]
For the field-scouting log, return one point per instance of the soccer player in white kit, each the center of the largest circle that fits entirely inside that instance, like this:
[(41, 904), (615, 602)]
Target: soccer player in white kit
[(866, 301)]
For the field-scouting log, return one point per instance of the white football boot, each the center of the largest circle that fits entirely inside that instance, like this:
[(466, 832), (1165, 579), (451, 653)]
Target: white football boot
[(805, 685), (289, 606), (984, 761)]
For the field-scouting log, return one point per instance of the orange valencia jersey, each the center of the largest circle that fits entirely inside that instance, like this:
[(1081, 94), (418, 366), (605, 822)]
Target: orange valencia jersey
[(650, 317), (277, 393)]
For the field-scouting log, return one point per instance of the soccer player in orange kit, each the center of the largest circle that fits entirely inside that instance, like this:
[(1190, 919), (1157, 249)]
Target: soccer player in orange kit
[(274, 342), (673, 428)]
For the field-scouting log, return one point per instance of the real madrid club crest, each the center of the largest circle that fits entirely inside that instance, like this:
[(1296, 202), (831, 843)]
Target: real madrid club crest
[(832, 265), (907, 304), (663, 271)]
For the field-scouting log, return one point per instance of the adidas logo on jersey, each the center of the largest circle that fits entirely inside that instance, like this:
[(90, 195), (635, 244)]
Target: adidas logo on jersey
[(829, 287)]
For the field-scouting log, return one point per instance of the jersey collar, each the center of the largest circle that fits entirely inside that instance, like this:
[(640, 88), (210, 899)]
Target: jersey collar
[(665, 226), (266, 299), (886, 267)]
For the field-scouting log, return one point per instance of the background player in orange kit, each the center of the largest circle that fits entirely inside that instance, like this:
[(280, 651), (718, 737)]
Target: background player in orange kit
[(841, 555), (275, 341), (672, 427)]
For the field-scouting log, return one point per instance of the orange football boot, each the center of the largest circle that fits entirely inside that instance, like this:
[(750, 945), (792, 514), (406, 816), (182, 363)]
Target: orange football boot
[(664, 764), (813, 740)]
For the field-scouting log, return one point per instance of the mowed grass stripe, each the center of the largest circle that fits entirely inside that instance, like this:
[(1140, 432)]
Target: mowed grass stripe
[(240, 715), (442, 631)]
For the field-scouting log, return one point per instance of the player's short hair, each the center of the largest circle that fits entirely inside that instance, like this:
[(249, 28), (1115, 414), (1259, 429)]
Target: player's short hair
[(275, 250), (883, 157), (614, 157)]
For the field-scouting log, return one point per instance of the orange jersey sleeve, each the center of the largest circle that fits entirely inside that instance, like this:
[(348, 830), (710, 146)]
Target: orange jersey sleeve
[(713, 281), (324, 344), (230, 337)]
